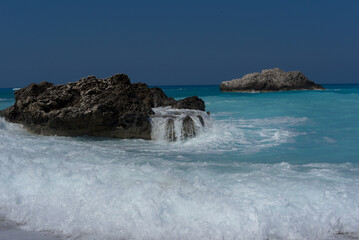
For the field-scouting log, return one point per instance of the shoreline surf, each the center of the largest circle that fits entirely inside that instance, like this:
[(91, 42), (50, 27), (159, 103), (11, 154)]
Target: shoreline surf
[(272, 166)]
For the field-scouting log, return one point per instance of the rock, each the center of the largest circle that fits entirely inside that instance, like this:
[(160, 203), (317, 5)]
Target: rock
[(190, 103), (270, 80), (200, 118), (170, 130), (111, 107), (188, 128)]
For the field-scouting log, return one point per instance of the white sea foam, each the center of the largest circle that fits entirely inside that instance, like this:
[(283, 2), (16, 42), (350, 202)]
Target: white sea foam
[(161, 127), (329, 140), (243, 135), (134, 189), (10, 231)]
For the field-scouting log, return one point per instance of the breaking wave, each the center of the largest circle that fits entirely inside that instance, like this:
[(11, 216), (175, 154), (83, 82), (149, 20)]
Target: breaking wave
[(86, 188)]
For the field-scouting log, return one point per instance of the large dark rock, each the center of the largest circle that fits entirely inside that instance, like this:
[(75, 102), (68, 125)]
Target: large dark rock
[(111, 107), (270, 80)]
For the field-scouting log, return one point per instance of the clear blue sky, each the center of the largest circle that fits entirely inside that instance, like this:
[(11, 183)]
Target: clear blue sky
[(177, 42)]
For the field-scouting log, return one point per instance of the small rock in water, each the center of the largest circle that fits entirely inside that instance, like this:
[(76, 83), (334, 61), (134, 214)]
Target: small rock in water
[(270, 80)]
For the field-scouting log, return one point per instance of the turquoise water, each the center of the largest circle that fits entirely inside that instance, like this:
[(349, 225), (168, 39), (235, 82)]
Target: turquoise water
[(281, 165), (323, 126)]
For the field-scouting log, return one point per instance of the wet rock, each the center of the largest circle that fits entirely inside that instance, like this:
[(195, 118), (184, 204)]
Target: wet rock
[(170, 130), (188, 128), (111, 107), (270, 80), (200, 118)]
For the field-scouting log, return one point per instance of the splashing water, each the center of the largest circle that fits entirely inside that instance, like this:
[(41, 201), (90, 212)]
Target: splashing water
[(170, 124)]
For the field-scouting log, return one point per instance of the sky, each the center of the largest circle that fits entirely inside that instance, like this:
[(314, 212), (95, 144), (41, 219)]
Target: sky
[(177, 42)]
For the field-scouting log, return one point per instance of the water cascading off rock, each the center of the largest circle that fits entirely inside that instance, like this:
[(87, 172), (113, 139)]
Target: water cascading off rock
[(172, 125)]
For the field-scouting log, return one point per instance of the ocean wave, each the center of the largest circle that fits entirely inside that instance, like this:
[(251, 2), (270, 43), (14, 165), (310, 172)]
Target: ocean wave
[(86, 188)]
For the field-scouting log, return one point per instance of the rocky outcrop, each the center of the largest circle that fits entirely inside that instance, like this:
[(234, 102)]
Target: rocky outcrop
[(111, 107), (270, 80)]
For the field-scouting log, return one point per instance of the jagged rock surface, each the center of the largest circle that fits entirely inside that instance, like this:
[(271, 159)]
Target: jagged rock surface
[(270, 80), (111, 107)]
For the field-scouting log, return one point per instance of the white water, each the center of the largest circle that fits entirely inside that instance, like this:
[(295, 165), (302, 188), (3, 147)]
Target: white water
[(85, 188), (10, 231), (160, 122)]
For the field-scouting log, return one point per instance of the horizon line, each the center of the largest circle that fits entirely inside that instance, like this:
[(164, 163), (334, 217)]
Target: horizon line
[(175, 85)]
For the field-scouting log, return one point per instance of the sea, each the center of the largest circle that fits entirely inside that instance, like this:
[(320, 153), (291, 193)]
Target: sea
[(276, 165)]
